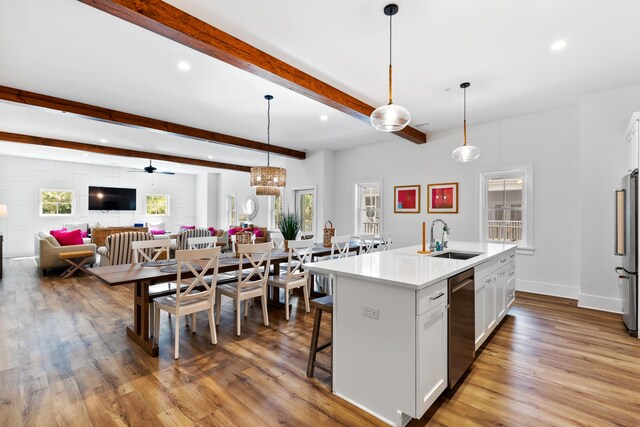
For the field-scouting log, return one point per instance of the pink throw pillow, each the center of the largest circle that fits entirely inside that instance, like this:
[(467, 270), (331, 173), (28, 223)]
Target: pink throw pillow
[(53, 232), (156, 232), (188, 227), (68, 238), (232, 231), (258, 232), (84, 233), (212, 230)]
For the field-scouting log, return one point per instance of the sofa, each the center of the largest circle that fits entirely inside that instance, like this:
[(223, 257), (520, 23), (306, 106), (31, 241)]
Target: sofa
[(47, 249)]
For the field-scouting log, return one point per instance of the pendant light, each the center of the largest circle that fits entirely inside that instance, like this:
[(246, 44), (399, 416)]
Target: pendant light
[(466, 153), (268, 180), (390, 117)]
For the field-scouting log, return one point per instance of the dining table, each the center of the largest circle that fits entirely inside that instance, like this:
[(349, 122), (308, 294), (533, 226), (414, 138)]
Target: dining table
[(145, 275)]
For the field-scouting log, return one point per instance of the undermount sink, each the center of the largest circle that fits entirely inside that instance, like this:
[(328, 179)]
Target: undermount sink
[(456, 255)]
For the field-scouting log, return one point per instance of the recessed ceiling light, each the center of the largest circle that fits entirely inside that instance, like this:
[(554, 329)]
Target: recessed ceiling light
[(104, 140), (85, 155), (210, 157), (558, 45), (324, 117), (184, 66), (178, 166)]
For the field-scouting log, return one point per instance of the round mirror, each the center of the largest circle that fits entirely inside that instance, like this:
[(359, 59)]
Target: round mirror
[(251, 207)]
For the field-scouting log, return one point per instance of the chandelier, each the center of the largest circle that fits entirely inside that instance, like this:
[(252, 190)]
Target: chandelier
[(268, 180)]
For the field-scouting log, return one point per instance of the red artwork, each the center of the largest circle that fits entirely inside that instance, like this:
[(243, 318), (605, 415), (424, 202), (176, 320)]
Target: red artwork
[(407, 199), (442, 198)]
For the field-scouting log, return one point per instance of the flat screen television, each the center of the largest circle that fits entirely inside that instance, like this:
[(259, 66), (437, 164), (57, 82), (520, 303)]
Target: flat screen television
[(112, 199)]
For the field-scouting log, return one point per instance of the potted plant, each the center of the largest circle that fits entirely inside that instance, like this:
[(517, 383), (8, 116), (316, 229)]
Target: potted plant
[(289, 225)]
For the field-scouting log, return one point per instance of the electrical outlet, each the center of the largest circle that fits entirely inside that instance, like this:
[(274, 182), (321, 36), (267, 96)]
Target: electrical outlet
[(372, 312)]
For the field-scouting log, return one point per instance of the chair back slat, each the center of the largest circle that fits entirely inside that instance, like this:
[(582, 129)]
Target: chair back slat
[(184, 236), (340, 246), (205, 258), (259, 256), (149, 250), (366, 243), (202, 242)]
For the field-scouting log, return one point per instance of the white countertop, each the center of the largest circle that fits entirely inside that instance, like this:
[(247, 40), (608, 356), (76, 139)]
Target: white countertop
[(405, 267)]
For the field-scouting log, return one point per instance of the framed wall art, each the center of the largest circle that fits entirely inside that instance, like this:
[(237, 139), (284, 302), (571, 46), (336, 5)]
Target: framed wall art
[(442, 198), (406, 199)]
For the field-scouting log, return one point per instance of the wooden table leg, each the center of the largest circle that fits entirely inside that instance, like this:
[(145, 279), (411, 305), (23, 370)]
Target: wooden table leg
[(140, 331), (73, 266)]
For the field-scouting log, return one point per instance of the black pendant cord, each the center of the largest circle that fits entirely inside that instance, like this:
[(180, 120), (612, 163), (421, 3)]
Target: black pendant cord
[(390, 59), (268, 131)]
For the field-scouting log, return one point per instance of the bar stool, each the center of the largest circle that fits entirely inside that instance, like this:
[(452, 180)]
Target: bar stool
[(321, 304)]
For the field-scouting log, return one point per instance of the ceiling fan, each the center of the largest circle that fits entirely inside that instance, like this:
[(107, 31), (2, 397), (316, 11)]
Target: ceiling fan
[(150, 169)]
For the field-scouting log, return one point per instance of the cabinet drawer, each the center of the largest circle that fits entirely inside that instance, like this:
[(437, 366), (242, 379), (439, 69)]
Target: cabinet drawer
[(431, 297), (485, 269)]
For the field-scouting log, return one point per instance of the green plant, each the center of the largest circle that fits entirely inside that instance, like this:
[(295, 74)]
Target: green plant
[(289, 225)]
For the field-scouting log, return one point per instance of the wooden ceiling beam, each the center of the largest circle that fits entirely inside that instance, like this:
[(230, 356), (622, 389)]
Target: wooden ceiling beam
[(132, 120), (114, 151), (170, 22)]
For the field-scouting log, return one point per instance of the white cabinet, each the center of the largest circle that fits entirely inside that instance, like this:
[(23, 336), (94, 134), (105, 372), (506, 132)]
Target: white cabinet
[(490, 302), (480, 326), (510, 286), (431, 365), (495, 284), (633, 138), (501, 297)]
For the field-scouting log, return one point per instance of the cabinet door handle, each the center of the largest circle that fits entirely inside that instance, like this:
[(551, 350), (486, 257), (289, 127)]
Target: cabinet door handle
[(433, 298)]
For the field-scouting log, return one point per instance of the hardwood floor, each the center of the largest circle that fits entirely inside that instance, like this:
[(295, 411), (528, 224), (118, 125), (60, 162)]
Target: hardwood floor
[(65, 360)]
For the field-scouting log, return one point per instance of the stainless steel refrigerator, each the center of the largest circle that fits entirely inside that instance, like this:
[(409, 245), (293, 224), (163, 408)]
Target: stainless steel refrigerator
[(626, 246)]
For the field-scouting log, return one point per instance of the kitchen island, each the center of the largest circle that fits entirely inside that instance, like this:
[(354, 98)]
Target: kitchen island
[(391, 321)]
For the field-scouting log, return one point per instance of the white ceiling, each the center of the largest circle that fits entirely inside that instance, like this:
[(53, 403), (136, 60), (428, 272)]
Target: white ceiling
[(67, 49)]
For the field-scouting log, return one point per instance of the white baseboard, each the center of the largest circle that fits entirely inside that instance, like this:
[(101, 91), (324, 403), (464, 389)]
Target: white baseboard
[(613, 305), (546, 288)]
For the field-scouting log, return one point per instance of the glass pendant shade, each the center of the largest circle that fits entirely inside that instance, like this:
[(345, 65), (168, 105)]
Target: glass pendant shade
[(390, 118), (466, 153)]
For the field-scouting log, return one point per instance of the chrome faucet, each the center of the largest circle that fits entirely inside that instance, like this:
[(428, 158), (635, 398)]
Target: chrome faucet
[(445, 230)]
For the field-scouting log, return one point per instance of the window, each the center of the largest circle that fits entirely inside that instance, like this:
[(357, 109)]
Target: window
[(305, 208), (275, 210), (56, 202), (367, 210), (232, 216), (507, 199), (158, 204)]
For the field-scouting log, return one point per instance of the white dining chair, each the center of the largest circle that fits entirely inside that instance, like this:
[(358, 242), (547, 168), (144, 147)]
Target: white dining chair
[(277, 239), (250, 285), (367, 242), (296, 276), (384, 241), (340, 246), (190, 300)]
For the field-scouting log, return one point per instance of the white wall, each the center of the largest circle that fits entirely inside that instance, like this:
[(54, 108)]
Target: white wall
[(603, 157), (22, 178), (237, 183), (549, 141)]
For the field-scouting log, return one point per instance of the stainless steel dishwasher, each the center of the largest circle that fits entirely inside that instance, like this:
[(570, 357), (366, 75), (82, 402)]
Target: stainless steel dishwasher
[(462, 321)]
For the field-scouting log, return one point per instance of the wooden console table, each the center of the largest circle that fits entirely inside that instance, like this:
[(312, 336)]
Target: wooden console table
[(99, 235)]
